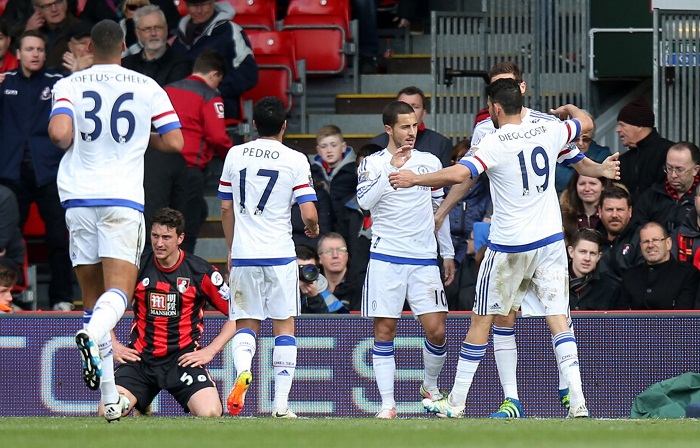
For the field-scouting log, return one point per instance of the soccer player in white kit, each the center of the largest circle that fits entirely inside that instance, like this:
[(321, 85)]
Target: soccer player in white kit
[(403, 255), (102, 118), (260, 181), (504, 346), (525, 263)]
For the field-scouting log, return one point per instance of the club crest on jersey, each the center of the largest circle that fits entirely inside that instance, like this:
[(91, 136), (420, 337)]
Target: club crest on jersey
[(182, 284), (219, 107), (423, 169), (626, 249), (45, 94)]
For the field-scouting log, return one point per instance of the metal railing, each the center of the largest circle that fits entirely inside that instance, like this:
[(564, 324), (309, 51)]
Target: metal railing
[(546, 38)]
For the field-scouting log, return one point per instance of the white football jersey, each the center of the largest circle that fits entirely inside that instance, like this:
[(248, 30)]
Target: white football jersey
[(112, 109), (264, 178), (485, 127), (402, 220), (520, 161)]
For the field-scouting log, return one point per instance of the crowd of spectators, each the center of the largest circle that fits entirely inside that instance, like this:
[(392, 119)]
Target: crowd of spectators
[(43, 40)]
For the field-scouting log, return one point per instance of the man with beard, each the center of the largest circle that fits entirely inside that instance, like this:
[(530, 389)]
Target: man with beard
[(621, 242), (669, 201)]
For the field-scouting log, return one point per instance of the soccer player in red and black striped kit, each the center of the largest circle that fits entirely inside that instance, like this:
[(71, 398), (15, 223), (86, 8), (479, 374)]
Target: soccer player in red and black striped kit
[(165, 352)]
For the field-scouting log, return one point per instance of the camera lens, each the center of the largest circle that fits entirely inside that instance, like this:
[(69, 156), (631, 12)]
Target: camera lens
[(308, 273)]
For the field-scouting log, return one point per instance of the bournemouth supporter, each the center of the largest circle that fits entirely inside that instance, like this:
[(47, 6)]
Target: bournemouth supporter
[(165, 352), (403, 259), (30, 161), (201, 110), (669, 201), (208, 25), (662, 282), (588, 288), (104, 127), (260, 181), (643, 164)]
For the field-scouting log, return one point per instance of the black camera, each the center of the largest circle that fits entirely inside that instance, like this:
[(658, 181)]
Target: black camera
[(308, 273)]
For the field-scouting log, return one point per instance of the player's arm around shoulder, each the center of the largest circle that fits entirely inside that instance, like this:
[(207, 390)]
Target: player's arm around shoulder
[(372, 180)]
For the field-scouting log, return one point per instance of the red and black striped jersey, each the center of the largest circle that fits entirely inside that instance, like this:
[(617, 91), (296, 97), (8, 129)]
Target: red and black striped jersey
[(169, 305)]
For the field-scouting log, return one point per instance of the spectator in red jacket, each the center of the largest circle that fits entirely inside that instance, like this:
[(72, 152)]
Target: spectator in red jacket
[(201, 110)]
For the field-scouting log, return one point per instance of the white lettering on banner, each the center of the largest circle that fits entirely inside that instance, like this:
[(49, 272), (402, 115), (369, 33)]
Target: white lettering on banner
[(68, 407), (303, 373), (13, 342), (364, 370)]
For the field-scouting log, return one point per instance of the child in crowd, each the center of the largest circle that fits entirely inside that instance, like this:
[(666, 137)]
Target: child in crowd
[(335, 164), (8, 279)]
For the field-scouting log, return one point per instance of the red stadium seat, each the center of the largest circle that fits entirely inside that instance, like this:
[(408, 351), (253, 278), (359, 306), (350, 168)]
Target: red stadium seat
[(255, 14), (322, 34), (34, 226), (3, 4), (181, 7), (278, 74), (81, 6)]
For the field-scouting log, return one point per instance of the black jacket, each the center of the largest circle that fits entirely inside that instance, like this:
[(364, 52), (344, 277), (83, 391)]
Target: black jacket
[(622, 253), (657, 205), (598, 294), (686, 240), (670, 285), (642, 166), (168, 68)]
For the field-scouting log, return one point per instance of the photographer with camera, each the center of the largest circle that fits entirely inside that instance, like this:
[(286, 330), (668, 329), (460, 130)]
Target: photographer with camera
[(315, 294)]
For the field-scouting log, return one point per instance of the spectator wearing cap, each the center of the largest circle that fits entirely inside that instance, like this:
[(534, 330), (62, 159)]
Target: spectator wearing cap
[(8, 61), (642, 165), (668, 202), (208, 25), (78, 56)]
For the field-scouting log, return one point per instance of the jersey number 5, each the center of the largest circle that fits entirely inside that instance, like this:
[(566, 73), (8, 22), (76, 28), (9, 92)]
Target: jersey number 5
[(116, 114), (540, 171), (272, 174)]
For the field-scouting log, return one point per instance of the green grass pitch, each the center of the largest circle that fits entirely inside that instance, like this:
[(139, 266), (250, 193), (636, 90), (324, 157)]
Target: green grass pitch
[(161, 432)]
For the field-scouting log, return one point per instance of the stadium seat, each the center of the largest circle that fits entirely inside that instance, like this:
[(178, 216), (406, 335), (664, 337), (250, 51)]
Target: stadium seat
[(322, 34), (34, 226), (3, 4), (81, 6), (280, 74), (181, 7), (255, 14)]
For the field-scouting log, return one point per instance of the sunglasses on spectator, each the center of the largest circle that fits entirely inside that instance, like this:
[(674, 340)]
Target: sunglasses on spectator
[(133, 7), (584, 139)]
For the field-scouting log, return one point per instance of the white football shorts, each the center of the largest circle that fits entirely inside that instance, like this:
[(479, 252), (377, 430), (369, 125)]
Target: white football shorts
[(262, 292), (388, 285), (536, 282), (105, 232)]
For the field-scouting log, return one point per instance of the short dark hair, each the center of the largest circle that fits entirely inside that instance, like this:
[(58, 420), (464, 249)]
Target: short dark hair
[(3, 28), (650, 224), (305, 252), (412, 90), (690, 146), (506, 68), (8, 276), (107, 37), (31, 33), (586, 234), (368, 150), (269, 116), (209, 60), (506, 92), (614, 192), (391, 112), (170, 218)]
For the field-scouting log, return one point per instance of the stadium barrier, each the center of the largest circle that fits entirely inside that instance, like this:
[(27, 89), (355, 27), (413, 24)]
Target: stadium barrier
[(621, 355)]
